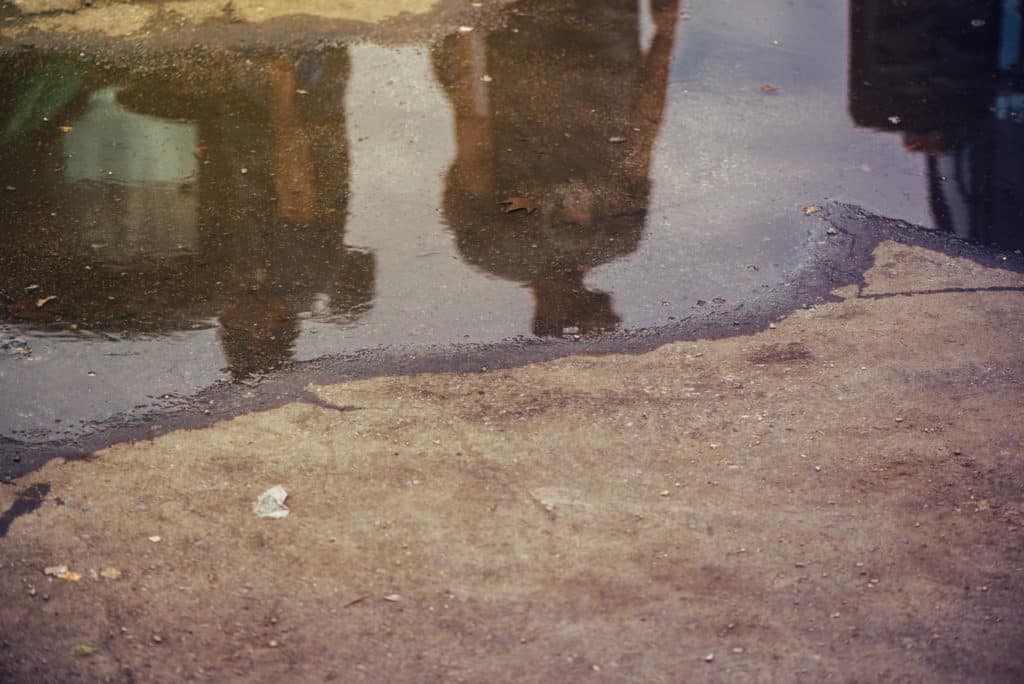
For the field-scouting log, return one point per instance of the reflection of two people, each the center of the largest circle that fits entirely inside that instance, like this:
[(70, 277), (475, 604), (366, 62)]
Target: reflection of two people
[(541, 110), (273, 191), (942, 73)]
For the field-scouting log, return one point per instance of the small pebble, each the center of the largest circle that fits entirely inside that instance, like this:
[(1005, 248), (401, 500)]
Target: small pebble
[(709, 658)]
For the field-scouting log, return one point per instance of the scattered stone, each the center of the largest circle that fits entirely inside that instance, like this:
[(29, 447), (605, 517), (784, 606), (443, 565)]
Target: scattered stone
[(83, 650), (273, 643), (709, 658), (155, 538), (394, 598), (811, 209), (110, 574), (157, 639), (270, 504), (55, 570), (832, 230), (616, 139)]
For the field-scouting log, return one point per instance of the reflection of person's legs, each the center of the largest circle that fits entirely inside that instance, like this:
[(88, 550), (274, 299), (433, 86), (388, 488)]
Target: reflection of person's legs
[(647, 107), (293, 172), (472, 105)]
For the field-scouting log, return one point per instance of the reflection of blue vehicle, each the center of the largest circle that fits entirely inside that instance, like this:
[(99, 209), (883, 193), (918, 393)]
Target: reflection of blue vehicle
[(948, 76)]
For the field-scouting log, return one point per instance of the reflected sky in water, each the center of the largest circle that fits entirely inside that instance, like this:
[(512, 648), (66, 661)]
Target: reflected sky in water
[(211, 215)]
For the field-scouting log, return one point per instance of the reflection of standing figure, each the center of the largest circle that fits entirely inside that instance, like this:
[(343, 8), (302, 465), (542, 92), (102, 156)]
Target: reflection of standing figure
[(541, 110), (215, 190), (274, 190), (943, 73)]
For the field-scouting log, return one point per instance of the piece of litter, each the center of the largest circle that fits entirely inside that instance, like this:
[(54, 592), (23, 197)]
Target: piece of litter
[(616, 139), (465, 29), (709, 658), (393, 598), (55, 570), (270, 504), (82, 650), (155, 538), (69, 576)]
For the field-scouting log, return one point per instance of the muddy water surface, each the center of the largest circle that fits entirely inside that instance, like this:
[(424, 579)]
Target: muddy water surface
[(191, 217)]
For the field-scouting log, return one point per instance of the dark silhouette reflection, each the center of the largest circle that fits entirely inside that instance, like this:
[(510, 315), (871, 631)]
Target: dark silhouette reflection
[(947, 75), (562, 106), (157, 199)]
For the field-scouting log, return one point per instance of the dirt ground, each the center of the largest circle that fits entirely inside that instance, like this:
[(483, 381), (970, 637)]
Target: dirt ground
[(839, 497), (120, 25)]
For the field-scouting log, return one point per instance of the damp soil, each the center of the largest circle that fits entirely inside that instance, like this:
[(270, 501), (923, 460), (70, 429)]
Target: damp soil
[(192, 230)]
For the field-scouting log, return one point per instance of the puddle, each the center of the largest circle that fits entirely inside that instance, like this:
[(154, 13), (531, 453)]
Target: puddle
[(182, 218)]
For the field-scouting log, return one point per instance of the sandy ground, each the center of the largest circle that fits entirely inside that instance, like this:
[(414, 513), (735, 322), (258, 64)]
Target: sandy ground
[(840, 497)]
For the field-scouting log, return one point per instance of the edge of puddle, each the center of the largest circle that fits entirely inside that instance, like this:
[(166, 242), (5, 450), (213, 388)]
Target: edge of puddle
[(832, 262)]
